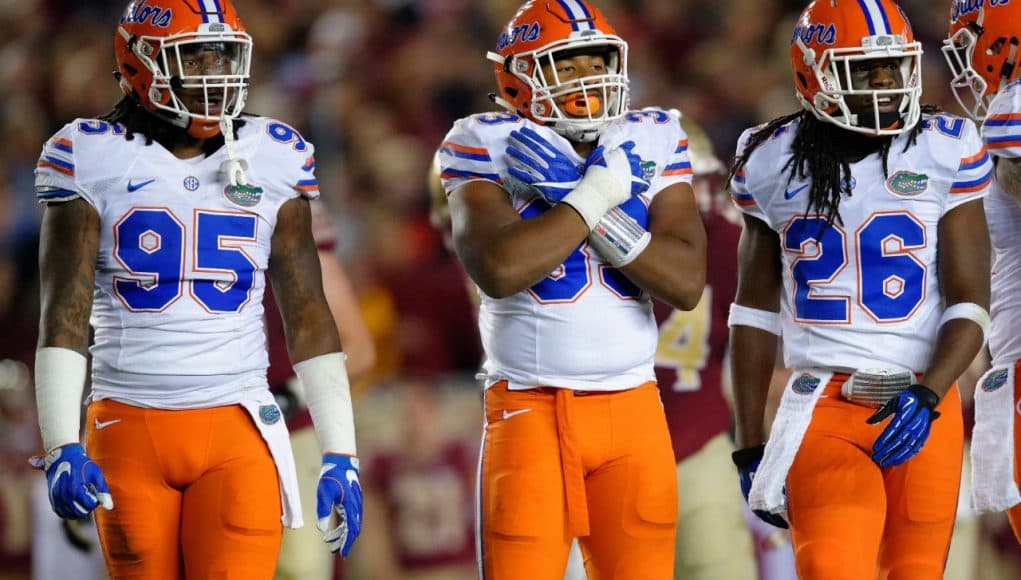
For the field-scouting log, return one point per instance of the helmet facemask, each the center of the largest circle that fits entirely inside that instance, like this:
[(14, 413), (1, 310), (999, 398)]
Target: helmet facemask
[(969, 87), (609, 90), (209, 67), (833, 71)]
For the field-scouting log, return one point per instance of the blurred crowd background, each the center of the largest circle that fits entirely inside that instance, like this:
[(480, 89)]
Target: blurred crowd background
[(375, 84)]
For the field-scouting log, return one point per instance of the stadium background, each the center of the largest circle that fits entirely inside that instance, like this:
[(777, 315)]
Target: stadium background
[(375, 84)]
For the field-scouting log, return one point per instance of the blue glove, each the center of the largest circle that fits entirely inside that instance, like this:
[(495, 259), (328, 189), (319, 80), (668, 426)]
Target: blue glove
[(537, 162), (340, 491), (639, 184), (913, 410), (76, 484), (747, 461)]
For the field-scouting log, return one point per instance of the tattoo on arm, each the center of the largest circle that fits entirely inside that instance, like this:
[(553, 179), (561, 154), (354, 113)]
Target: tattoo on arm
[(297, 284), (68, 248)]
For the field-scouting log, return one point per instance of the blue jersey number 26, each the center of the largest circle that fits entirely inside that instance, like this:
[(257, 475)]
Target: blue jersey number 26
[(891, 280), (150, 244)]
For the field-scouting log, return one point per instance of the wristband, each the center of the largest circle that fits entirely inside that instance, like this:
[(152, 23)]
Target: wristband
[(755, 318), (619, 238), (969, 311)]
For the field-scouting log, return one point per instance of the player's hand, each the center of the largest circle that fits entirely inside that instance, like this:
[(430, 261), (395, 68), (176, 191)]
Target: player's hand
[(747, 461), (625, 165), (537, 162), (76, 484), (913, 410), (339, 491)]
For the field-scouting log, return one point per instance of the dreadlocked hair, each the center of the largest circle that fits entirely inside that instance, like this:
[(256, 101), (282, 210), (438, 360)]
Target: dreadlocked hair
[(817, 154), (136, 119)]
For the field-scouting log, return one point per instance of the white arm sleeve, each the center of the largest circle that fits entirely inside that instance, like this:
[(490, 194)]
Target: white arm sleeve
[(59, 385), (328, 394)]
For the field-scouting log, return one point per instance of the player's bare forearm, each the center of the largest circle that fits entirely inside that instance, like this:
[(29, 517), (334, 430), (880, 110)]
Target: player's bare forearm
[(752, 350), (68, 247), (673, 265), (964, 264), (1008, 175), (503, 253), (298, 287), (753, 355)]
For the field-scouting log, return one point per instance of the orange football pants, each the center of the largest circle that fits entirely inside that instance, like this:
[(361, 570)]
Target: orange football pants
[(558, 464), (195, 493), (849, 519), (1014, 513)]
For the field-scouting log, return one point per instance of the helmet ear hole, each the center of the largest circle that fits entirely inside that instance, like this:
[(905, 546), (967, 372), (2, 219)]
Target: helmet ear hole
[(802, 81)]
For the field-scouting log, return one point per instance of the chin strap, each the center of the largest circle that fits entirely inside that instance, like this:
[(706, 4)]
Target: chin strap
[(233, 168)]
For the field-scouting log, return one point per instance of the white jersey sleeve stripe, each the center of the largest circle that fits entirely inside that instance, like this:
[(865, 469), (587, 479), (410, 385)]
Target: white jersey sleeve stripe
[(56, 195), (450, 173), (1004, 142), (469, 153), (1007, 120), (739, 191), (60, 165), (679, 164), (61, 144), (974, 173)]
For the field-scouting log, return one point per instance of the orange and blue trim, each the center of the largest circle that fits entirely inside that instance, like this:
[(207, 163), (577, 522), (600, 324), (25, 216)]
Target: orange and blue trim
[(682, 168), (743, 199), (64, 145), (972, 185), (307, 185), (463, 152), (977, 160), (1003, 142), (457, 173), (1003, 120), (58, 164)]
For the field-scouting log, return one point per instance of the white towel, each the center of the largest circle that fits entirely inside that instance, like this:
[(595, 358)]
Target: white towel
[(792, 419), (267, 417), (992, 442)]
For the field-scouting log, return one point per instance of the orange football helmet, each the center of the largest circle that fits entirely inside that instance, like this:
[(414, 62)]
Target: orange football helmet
[(172, 53), (542, 31), (829, 37), (982, 51)]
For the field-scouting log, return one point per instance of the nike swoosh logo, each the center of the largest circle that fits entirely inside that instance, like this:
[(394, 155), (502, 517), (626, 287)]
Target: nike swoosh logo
[(132, 186), (508, 414), (790, 194), (105, 424)]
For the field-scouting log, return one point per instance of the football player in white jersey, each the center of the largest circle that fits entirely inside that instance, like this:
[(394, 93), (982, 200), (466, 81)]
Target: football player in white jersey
[(981, 50), (568, 211), (161, 221), (865, 246)]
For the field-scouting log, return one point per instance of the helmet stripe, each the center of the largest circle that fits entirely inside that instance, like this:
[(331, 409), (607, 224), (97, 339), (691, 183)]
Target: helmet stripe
[(875, 16), (211, 11), (581, 18)]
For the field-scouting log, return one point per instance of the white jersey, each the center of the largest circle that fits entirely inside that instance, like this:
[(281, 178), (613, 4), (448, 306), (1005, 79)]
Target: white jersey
[(865, 293), (177, 308), (585, 326), (1001, 133)]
